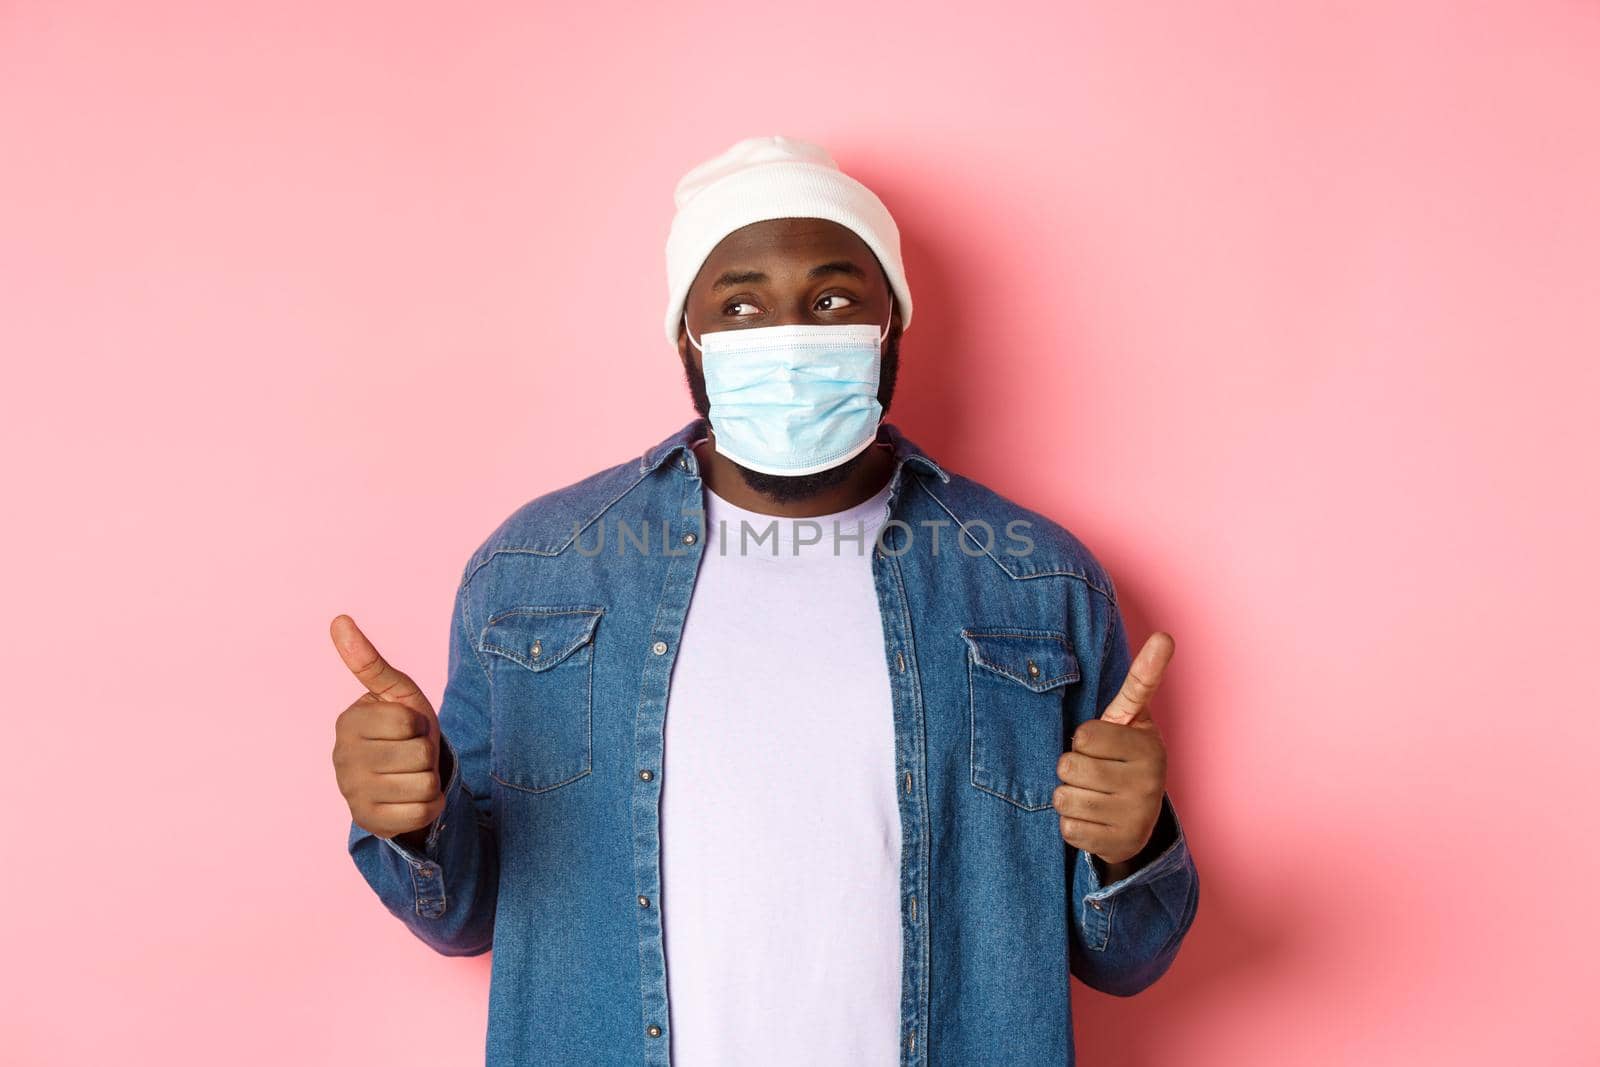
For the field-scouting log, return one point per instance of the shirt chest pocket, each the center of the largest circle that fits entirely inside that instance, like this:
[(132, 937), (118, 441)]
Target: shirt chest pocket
[(541, 680), (1016, 681)]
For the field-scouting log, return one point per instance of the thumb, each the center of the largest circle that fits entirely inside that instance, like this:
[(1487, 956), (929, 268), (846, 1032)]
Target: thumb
[(372, 670), (1132, 702)]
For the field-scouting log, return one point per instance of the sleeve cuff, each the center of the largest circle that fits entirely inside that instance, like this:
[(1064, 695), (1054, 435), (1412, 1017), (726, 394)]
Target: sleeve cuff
[(1174, 858)]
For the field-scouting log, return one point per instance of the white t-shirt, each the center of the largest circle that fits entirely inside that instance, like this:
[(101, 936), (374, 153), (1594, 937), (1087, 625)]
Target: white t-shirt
[(780, 823)]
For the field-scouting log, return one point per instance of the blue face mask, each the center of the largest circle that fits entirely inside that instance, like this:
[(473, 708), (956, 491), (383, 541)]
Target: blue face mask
[(792, 399)]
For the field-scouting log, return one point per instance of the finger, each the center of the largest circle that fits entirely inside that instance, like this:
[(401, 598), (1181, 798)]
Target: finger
[(382, 721), (1132, 701), (416, 787), (1075, 802), (370, 668), (390, 820), (1107, 740), (1090, 772), (1087, 836), (402, 757)]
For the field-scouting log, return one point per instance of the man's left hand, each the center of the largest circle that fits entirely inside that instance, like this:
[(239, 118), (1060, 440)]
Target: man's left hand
[(1115, 774)]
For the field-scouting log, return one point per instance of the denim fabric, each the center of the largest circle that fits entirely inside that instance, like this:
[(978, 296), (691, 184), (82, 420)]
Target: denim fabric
[(999, 641)]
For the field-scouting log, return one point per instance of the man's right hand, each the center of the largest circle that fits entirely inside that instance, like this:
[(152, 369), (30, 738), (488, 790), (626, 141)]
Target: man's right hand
[(386, 744)]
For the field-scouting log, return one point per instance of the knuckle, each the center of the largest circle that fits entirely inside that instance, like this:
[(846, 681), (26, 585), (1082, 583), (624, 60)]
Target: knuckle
[(357, 795), (357, 756), (354, 721), (363, 816), (400, 720), (1098, 733)]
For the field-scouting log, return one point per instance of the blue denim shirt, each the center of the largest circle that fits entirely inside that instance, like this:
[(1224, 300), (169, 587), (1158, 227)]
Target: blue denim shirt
[(999, 640)]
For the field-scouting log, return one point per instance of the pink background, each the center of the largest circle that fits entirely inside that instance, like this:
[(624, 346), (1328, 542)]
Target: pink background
[(1288, 310)]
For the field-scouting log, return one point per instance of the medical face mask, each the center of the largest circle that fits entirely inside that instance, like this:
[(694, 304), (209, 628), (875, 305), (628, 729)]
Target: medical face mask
[(793, 399)]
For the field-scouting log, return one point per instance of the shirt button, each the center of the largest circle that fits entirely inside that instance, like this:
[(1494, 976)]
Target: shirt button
[(535, 648), (644, 902), (426, 872), (647, 774), (659, 648), (653, 1030), (1033, 669), (1095, 904), (689, 538)]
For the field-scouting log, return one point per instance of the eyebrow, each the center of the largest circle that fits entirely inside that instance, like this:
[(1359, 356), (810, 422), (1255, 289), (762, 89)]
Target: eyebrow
[(745, 277)]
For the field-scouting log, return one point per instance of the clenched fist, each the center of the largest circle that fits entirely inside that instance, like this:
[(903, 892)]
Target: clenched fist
[(1114, 777), (386, 744)]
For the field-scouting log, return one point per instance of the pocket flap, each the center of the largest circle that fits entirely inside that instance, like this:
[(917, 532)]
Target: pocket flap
[(539, 638), (1038, 659)]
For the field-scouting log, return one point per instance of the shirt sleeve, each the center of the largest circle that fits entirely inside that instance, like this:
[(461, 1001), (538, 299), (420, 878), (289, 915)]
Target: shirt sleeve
[(446, 892), (1125, 935)]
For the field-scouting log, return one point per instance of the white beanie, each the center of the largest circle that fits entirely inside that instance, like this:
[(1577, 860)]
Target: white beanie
[(763, 178)]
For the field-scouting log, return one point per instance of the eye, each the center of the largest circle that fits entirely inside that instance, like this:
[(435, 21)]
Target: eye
[(727, 309), (835, 296)]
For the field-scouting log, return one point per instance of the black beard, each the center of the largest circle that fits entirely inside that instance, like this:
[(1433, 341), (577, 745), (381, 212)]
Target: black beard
[(793, 488)]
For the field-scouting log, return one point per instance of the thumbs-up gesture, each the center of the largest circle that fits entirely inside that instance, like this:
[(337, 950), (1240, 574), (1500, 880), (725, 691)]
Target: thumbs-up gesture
[(386, 744), (1113, 778)]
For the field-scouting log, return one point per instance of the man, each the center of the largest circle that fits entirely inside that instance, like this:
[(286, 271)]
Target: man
[(780, 743)]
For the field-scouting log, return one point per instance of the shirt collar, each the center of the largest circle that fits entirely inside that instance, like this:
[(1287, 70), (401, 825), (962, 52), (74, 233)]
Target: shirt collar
[(679, 446)]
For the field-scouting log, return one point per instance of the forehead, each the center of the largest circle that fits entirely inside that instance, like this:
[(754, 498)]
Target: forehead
[(773, 242)]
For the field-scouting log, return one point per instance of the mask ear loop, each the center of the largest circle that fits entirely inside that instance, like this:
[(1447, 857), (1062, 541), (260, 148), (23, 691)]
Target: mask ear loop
[(881, 337)]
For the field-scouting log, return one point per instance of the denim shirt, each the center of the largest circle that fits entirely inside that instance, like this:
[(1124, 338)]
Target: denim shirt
[(1001, 633)]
